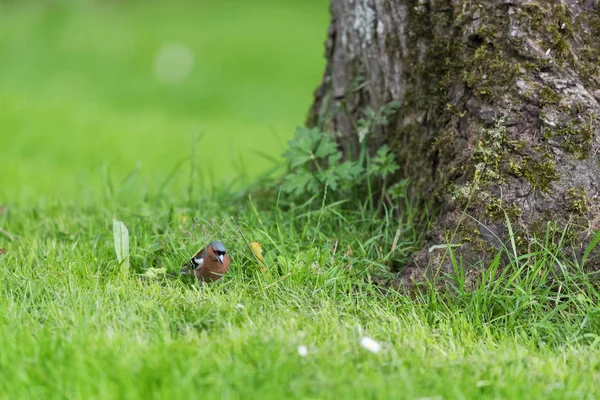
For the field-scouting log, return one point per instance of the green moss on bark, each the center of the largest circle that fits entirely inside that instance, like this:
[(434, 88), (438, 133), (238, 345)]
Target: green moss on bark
[(578, 201)]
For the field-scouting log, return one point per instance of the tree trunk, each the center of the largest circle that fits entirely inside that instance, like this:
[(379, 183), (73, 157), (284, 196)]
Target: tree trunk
[(498, 118)]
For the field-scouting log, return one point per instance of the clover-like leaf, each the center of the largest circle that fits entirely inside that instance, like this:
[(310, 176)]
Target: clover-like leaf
[(326, 147), (298, 183), (302, 147), (383, 164)]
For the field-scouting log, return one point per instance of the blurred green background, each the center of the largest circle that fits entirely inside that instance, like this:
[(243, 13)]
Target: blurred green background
[(90, 89)]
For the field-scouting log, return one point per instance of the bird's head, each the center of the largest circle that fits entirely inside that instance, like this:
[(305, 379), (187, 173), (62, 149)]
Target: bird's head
[(216, 250)]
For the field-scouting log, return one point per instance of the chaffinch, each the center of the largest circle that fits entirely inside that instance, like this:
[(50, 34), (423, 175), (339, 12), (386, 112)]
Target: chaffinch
[(209, 264)]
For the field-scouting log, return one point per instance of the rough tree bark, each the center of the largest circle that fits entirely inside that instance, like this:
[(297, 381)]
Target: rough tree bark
[(499, 111)]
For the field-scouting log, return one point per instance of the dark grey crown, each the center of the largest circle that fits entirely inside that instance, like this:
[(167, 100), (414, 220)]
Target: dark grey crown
[(218, 246)]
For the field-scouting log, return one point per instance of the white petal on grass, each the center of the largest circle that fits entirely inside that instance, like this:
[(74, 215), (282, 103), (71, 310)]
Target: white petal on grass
[(173, 63), (110, 332), (302, 350), (370, 344)]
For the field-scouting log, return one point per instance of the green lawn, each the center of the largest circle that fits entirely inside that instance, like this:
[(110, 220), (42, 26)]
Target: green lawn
[(81, 109)]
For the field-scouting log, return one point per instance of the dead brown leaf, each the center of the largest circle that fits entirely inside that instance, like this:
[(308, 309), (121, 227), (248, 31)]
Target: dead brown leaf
[(349, 251)]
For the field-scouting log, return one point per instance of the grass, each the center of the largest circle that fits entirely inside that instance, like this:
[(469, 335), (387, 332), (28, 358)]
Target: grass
[(75, 324)]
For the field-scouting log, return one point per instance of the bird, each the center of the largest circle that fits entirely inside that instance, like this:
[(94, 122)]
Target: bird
[(208, 264)]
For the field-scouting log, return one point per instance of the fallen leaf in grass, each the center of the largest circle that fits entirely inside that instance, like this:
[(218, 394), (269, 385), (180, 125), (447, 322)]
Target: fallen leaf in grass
[(257, 251), (1, 251), (302, 350), (121, 242), (154, 272), (370, 344)]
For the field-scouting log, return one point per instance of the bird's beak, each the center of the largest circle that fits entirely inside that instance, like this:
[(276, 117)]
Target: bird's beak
[(220, 258)]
